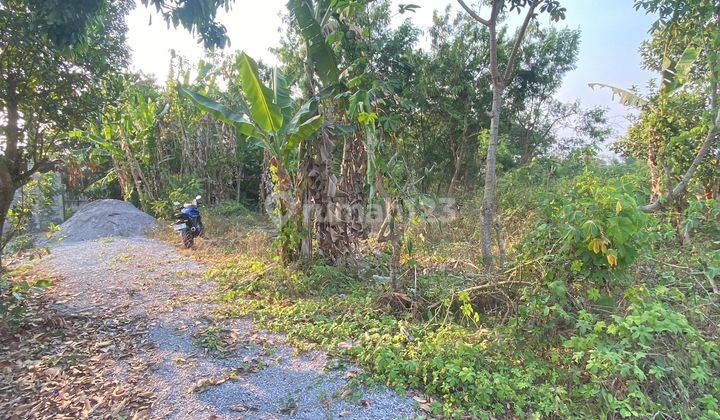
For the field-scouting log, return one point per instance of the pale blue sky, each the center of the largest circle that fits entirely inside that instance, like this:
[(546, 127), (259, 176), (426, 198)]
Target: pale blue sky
[(612, 32)]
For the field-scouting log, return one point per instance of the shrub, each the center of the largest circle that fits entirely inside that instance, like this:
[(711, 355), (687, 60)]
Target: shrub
[(595, 228), (16, 289), (578, 255), (182, 189), (646, 361)]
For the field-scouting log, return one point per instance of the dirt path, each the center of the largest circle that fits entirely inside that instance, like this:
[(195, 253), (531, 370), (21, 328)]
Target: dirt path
[(196, 366)]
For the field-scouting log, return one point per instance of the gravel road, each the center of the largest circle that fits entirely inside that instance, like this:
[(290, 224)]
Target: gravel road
[(200, 367)]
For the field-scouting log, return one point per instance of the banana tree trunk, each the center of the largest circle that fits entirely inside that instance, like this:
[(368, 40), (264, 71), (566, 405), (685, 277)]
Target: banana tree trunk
[(266, 183), (304, 199), (353, 173), (323, 185), (141, 184), (123, 178)]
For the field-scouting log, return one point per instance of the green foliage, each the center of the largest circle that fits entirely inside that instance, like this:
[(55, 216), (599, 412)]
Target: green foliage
[(263, 110), (591, 335), (261, 116), (595, 230), (647, 361), (33, 199), (14, 295), (221, 112), (310, 26), (231, 208), (55, 59), (589, 234), (197, 16), (702, 216)]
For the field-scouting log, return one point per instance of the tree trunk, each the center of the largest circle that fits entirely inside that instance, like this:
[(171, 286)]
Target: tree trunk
[(266, 183), (459, 151), (489, 206), (123, 180), (304, 197), (353, 172), (12, 131), (6, 197), (456, 174), (681, 187), (9, 162), (498, 83), (528, 150), (306, 159), (655, 179)]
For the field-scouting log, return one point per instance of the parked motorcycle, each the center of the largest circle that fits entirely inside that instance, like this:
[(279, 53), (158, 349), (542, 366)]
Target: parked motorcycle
[(188, 222)]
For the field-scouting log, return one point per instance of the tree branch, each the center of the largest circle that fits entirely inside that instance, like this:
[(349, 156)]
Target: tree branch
[(38, 167), (518, 40), (472, 13), (494, 65)]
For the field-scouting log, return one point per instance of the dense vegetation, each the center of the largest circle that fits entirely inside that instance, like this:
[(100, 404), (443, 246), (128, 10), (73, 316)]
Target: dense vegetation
[(435, 214)]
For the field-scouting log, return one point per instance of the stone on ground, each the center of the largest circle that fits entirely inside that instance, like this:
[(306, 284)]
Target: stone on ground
[(102, 218)]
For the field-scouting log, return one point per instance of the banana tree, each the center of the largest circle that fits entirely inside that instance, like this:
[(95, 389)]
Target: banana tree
[(125, 135), (268, 116), (336, 237)]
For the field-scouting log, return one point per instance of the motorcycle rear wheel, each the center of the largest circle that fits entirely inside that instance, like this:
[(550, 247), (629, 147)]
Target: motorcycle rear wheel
[(187, 238)]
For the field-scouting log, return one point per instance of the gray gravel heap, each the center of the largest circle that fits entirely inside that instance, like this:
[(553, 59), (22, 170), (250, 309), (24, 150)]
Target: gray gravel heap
[(103, 218)]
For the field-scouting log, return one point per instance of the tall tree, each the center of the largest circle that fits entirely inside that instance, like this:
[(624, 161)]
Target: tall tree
[(47, 88), (683, 49), (500, 80)]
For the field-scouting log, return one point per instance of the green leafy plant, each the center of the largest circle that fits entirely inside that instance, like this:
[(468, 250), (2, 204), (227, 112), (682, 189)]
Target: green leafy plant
[(593, 231), (267, 117), (14, 295)]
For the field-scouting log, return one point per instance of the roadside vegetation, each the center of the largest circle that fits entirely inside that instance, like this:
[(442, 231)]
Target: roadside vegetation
[(433, 214), (581, 330)]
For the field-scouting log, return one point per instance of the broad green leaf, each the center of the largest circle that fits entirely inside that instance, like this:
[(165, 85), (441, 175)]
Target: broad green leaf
[(222, 113), (281, 93), (319, 51), (675, 74), (264, 112), (309, 108), (685, 62), (306, 129), (306, 111)]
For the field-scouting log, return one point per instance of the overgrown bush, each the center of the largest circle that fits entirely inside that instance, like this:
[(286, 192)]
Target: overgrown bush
[(632, 353), (34, 197)]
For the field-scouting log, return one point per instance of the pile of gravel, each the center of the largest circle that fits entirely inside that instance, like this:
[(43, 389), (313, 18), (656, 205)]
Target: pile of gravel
[(102, 218)]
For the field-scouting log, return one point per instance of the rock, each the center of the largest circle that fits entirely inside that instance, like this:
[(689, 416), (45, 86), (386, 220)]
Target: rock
[(102, 218)]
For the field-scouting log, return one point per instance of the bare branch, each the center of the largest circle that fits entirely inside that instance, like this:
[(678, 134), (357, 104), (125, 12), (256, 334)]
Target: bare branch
[(492, 27), (472, 13), (518, 40), (39, 167)]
